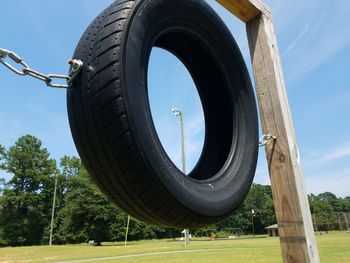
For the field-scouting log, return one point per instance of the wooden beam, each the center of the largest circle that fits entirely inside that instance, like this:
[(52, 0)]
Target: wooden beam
[(292, 209), (245, 10), (293, 215)]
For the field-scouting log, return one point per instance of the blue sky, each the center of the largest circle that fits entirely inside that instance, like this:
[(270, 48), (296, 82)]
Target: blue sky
[(314, 41)]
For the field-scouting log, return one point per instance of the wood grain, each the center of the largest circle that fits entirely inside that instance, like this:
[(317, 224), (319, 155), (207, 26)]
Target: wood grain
[(297, 236), (245, 10)]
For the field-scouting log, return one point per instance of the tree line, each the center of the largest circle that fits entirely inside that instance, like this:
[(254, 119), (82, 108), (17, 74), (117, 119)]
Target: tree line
[(83, 213)]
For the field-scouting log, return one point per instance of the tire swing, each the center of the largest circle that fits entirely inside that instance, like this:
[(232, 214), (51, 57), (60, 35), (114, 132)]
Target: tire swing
[(111, 121)]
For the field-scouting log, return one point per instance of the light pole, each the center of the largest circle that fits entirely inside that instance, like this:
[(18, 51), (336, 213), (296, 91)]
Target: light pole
[(127, 230), (53, 209), (180, 114), (253, 214)]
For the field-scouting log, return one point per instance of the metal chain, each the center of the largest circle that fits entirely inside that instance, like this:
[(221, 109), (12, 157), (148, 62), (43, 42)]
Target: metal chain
[(76, 66), (265, 138)]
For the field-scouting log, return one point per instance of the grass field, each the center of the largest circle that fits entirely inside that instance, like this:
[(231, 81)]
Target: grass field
[(334, 248)]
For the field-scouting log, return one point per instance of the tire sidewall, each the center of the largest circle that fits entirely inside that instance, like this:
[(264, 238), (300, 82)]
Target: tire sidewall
[(222, 194)]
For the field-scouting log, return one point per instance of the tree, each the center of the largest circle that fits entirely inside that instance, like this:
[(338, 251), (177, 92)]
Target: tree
[(69, 168), (87, 214), (332, 200), (83, 213), (258, 199), (324, 208), (25, 200), (345, 204), (2, 152), (2, 185)]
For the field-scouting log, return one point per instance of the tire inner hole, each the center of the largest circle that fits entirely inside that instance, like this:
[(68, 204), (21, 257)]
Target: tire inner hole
[(207, 92), (171, 92)]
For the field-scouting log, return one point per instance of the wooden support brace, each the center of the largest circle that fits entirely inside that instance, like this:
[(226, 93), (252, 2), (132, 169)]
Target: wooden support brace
[(292, 209), (245, 10)]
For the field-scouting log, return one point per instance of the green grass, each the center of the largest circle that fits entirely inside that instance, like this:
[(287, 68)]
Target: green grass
[(334, 248)]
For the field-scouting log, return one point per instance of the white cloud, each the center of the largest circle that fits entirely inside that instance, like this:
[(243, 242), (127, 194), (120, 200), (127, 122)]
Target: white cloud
[(316, 181), (340, 152), (320, 159), (329, 170), (337, 182), (331, 107), (301, 35), (314, 35), (319, 52), (324, 34)]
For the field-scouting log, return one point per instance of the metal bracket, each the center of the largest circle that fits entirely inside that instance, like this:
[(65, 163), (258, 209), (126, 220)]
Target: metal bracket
[(265, 138)]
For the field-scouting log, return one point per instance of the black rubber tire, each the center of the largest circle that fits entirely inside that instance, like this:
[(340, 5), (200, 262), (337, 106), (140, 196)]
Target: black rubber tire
[(112, 125)]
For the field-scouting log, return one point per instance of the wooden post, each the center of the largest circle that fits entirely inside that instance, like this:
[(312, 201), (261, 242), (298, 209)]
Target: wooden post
[(292, 208)]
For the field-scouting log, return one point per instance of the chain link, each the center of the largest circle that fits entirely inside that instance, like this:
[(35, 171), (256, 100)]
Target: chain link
[(76, 66)]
